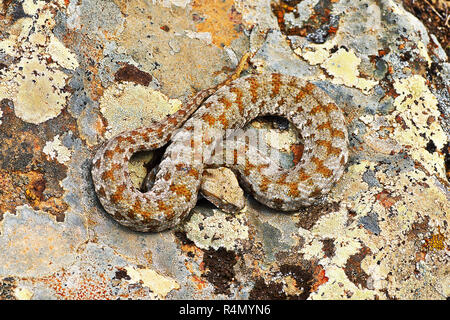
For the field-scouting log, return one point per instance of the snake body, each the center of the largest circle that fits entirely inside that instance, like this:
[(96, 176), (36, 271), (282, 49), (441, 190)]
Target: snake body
[(318, 119)]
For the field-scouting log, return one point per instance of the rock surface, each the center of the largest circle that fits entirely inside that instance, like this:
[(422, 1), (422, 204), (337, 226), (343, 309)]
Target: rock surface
[(73, 73), (222, 189)]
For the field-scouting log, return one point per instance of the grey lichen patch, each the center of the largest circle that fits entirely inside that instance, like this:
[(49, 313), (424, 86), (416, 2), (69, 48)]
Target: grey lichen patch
[(271, 237), (102, 18), (370, 179), (219, 230), (275, 55), (370, 222), (34, 244)]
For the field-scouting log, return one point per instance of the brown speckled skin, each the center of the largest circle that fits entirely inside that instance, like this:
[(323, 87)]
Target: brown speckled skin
[(174, 192)]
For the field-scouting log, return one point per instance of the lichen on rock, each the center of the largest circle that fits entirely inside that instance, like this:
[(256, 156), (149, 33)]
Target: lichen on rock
[(75, 73)]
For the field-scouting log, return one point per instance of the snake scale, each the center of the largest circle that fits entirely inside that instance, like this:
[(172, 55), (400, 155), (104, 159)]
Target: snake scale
[(174, 192)]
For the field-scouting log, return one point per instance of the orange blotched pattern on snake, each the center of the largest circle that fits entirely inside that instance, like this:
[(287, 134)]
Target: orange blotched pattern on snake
[(174, 191)]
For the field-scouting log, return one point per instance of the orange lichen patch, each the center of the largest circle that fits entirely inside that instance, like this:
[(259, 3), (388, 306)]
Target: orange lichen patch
[(35, 189), (221, 20), (330, 149), (320, 16), (19, 188), (100, 126), (386, 199), (401, 122), (95, 88), (191, 250), (209, 119), (321, 168), (276, 85), (118, 195), (181, 190), (199, 282), (332, 30), (89, 286), (435, 242), (254, 85), (319, 277), (239, 95)]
